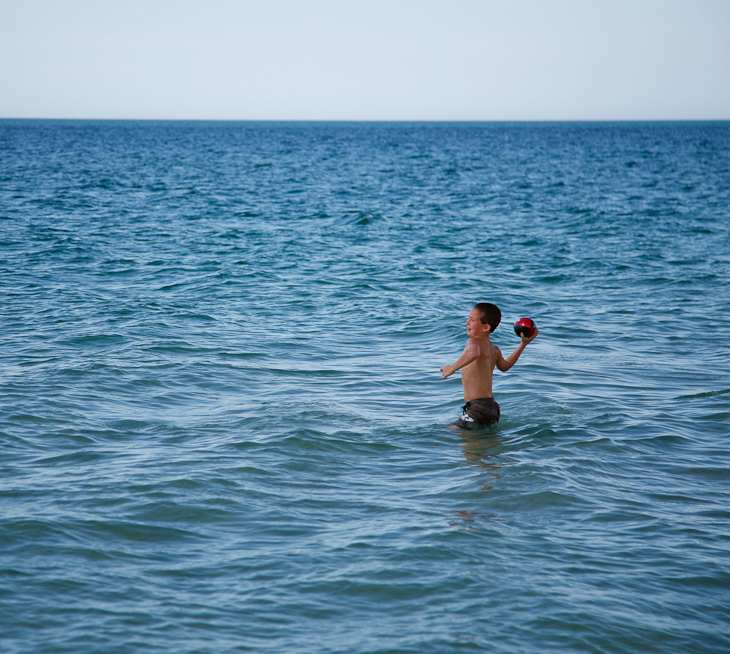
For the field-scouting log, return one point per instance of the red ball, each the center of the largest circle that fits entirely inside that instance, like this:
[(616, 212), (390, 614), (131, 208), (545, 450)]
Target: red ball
[(525, 327)]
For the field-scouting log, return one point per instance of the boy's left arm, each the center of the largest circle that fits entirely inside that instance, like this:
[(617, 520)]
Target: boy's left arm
[(505, 364)]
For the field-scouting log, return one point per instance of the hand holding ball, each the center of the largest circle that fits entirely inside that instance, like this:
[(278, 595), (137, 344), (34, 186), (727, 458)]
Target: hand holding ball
[(525, 327)]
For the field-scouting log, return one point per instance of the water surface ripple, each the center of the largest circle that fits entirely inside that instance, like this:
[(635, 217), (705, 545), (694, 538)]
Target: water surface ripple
[(222, 423)]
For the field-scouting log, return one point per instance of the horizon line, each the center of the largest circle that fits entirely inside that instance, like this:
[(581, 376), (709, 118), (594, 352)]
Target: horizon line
[(375, 120)]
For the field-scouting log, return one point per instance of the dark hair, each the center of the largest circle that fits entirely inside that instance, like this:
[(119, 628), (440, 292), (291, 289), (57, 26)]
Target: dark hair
[(489, 314)]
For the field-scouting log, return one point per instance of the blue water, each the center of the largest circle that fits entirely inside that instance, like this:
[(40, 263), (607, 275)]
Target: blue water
[(222, 422)]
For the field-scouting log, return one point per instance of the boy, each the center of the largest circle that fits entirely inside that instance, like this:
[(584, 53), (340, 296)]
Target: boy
[(478, 361)]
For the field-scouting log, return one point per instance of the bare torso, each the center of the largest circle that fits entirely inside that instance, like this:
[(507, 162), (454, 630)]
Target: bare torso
[(476, 377)]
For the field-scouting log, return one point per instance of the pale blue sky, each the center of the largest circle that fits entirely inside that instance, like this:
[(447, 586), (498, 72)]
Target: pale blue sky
[(366, 60)]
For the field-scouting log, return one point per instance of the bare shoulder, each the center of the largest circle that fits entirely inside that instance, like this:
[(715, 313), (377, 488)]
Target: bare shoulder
[(472, 344)]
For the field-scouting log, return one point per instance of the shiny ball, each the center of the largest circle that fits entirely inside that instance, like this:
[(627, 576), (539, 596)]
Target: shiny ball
[(525, 327)]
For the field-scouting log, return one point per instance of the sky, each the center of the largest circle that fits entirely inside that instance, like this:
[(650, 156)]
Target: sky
[(366, 59)]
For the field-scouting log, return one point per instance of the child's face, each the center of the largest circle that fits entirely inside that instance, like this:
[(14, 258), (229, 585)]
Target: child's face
[(474, 325)]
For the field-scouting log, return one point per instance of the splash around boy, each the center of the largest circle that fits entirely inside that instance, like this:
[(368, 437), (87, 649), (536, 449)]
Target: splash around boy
[(477, 362)]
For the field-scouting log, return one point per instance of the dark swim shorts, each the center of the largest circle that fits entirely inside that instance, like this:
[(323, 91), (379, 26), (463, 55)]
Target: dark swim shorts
[(479, 414)]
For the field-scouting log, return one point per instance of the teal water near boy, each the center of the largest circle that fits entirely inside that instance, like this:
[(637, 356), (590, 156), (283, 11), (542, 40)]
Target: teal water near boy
[(477, 363)]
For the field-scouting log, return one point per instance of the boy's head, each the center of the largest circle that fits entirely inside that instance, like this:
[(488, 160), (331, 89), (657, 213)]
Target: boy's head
[(489, 314)]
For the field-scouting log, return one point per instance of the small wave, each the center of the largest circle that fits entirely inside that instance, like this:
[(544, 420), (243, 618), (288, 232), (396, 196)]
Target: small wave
[(704, 394), (360, 218)]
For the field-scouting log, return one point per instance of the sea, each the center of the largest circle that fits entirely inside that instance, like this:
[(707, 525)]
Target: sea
[(223, 427)]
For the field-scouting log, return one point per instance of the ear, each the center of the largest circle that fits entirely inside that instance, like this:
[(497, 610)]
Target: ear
[(488, 327)]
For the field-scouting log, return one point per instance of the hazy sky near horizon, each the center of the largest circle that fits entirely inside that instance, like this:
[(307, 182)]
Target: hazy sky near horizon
[(366, 59)]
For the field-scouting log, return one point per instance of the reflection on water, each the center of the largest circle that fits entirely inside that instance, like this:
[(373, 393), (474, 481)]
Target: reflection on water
[(480, 445), (482, 448)]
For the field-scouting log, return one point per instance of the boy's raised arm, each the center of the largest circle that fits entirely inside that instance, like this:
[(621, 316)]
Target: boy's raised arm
[(505, 364)]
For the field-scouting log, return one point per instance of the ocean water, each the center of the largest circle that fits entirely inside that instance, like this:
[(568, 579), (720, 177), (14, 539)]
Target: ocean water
[(222, 423)]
